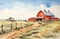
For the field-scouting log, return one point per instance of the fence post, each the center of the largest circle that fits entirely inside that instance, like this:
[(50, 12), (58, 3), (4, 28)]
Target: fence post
[(2, 27), (21, 25), (11, 26), (16, 25)]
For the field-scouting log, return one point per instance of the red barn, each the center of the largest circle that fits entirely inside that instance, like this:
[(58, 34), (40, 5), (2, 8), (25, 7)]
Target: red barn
[(43, 15)]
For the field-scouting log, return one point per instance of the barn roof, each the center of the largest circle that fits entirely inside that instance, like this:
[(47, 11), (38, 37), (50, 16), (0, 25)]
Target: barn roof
[(48, 13)]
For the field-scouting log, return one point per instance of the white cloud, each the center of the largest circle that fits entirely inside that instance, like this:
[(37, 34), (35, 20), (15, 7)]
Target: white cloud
[(56, 10), (19, 11), (25, 11), (43, 7)]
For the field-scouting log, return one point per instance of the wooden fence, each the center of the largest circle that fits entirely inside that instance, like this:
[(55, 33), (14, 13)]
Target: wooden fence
[(12, 26), (8, 27)]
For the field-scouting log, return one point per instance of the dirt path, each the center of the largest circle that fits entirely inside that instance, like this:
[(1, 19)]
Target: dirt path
[(13, 34)]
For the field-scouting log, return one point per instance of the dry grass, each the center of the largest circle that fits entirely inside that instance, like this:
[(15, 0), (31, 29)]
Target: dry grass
[(44, 30)]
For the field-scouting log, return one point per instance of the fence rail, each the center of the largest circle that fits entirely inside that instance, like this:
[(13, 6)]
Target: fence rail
[(12, 26), (7, 27)]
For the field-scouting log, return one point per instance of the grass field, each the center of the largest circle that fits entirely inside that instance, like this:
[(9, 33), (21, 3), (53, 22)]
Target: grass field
[(50, 30), (7, 25), (46, 31)]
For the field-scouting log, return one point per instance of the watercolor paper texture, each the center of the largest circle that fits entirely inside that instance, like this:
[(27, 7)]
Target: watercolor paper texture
[(29, 19)]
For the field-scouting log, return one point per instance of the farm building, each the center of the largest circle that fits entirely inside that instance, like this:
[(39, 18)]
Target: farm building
[(44, 15)]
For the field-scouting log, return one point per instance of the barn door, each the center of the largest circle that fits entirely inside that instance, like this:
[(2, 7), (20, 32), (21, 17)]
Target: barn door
[(39, 19)]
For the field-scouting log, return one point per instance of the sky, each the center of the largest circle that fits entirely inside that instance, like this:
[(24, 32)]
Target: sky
[(24, 9)]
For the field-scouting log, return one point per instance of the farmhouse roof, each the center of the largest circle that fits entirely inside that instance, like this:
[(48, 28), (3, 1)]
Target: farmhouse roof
[(48, 13)]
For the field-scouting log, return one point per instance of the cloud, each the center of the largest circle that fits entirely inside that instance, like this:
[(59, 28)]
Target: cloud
[(19, 11), (23, 11), (56, 10)]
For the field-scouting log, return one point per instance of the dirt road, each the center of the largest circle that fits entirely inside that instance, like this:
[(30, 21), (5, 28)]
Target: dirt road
[(13, 34)]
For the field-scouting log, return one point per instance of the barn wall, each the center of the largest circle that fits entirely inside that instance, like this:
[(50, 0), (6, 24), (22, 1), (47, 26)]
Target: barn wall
[(48, 18), (40, 14), (32, 19)]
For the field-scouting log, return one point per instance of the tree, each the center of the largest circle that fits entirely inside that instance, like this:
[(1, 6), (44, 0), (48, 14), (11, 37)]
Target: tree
[(11, 19)]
